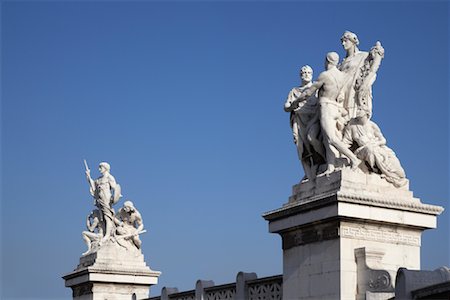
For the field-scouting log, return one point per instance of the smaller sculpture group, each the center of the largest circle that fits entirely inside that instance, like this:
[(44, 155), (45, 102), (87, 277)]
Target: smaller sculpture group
[(330, 117), (103, 224)]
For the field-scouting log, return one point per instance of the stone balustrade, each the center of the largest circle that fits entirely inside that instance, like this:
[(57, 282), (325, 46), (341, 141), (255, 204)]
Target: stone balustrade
[(247, 286)]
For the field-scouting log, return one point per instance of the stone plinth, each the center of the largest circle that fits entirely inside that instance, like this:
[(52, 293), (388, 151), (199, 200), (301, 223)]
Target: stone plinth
[(346, 236), (112, 272)]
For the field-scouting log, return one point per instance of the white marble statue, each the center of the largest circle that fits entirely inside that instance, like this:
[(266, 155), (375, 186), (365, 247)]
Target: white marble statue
[(330, 84), (106, 192), (359, 68), (129, 225), (105, 227), (304, 120), (371, 148), (95, 231), (326, 127)]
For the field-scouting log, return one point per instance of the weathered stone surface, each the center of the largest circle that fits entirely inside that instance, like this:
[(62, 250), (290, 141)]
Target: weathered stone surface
[(322, 225), (112, 272)]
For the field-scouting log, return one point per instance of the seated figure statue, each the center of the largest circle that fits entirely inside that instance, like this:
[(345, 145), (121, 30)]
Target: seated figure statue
[(129, 224), (371, 147), (95, 231)]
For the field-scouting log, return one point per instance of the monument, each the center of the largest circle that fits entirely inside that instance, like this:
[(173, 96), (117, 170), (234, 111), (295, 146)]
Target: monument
[(113, 265), (352, 221)]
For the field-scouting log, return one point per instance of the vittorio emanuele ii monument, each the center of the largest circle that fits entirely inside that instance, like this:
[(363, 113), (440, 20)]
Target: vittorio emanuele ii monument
[(351, 228)]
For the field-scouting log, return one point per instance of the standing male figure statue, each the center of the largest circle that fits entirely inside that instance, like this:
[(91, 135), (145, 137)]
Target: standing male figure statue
[(330, 84), (305, 125), (106, 192)]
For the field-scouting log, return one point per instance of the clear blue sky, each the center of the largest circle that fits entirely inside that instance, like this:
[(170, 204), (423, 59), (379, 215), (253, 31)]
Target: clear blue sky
[(184, 99)]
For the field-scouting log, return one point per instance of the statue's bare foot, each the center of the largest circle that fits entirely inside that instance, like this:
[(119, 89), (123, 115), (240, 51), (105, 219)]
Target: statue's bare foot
[(355, 164), (329, 170)]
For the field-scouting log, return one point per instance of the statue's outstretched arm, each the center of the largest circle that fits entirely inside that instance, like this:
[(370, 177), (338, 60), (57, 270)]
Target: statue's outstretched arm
[(90, 182), (308, 92)]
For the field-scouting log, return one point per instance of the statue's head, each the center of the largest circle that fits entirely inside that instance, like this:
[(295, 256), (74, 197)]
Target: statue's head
[(306, 73), (332, 59), (104, 167), (349, 39), (128, 206), (362, 115)]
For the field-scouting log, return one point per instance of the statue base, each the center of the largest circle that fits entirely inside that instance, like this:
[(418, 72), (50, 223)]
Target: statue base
[(345, 236), (112, 272)]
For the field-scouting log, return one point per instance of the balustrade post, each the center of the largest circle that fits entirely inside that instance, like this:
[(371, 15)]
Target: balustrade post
[(242, 286), (200, 288), (166, 291)]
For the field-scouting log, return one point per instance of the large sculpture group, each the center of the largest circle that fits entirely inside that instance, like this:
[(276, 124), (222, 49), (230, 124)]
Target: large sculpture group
[(330, 117), (103, 224)]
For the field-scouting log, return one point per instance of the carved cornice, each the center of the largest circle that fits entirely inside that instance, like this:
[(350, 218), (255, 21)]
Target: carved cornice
[(403, 204), (146, 272), (333, 198)]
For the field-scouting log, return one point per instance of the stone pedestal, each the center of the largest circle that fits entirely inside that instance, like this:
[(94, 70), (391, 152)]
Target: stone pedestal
[(345, 236), (112, 272)]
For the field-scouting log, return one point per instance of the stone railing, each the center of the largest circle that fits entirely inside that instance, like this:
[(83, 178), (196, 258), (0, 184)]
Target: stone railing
[(247, 286), (266, 288)]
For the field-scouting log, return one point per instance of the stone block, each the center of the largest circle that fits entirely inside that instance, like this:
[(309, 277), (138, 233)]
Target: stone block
[(112, 272), (322, 225), (324, 285)]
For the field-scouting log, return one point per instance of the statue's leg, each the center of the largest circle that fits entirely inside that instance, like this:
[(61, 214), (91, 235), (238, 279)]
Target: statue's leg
[(305, 161), (313, 137), (295, 130), (328, 126), (328, 122), (87, 240), (298, 143), (342, 148), (329, 156), (108, 225)]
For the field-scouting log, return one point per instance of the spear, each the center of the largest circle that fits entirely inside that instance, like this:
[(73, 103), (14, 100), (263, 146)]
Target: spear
[(130, 235), (88, 175), (86, 165)]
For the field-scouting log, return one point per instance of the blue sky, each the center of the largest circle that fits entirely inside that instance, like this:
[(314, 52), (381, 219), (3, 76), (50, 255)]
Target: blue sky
[(184, 100)]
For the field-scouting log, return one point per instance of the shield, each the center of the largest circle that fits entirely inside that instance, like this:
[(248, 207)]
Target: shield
[(117, 194)]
